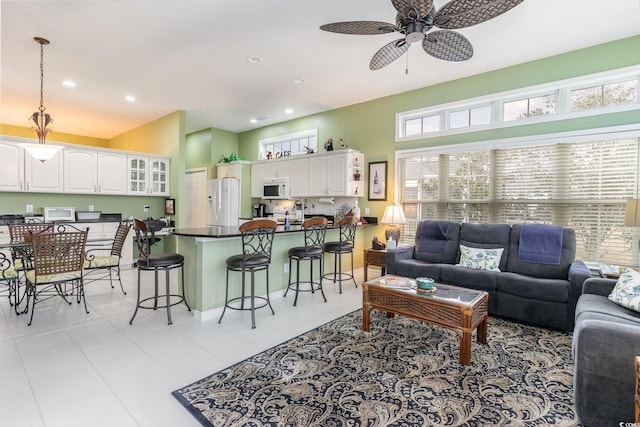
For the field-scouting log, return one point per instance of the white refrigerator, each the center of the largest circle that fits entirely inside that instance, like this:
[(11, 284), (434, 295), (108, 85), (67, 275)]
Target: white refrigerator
[(223, 202)]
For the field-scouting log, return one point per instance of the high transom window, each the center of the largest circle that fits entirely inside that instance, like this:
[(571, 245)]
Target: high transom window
[(289, 145)]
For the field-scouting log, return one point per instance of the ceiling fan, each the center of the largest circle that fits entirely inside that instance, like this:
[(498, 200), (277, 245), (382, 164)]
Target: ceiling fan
[(416, 17)]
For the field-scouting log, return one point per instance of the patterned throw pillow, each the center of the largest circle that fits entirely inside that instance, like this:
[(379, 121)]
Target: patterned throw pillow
[(627, 290), (480, 259)]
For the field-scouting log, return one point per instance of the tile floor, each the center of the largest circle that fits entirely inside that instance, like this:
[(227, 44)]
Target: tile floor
[(70, 368)]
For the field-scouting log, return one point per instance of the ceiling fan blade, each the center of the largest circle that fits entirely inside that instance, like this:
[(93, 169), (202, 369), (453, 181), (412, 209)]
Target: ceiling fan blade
[(389, 53), (447, 45), (360, 27), (413, 8), (465, 13)]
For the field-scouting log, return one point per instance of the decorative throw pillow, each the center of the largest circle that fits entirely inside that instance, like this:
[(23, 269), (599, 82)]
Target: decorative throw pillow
[(627, 290), (480, 259)]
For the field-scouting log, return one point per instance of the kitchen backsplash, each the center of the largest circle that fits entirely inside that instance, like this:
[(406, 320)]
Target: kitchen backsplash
[(313, 205)]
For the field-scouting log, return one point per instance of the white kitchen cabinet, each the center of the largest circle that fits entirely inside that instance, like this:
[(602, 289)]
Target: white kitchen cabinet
[(44, 177), (318, 176), (112, 173), (80, 171), (335, 174), (11, 167), (90, 172), (258, 171), (148, 175), (299, 177), (277, 169)]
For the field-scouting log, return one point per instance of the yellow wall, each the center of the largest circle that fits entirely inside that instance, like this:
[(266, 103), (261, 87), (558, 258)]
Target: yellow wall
[(25, 132)]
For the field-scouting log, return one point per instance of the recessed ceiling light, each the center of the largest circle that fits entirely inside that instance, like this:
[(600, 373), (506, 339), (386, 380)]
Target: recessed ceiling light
[(299, 80), (130, 98), (254, 59), (288, 111), (69, 83), (254, 120)]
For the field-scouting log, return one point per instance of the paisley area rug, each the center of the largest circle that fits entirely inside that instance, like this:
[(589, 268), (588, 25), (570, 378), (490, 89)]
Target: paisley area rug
[(402, 373)]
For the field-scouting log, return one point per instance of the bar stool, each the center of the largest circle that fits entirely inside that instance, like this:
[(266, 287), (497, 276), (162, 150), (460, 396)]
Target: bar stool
[(313, 249), (257, 240), (345, 245), (156, 262)]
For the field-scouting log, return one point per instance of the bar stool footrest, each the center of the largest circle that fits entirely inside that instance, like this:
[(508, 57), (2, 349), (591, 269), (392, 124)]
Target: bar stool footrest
[(315, 286), (162, 298), (247, 306)]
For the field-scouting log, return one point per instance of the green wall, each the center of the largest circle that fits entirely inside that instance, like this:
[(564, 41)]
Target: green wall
[(370, 126)]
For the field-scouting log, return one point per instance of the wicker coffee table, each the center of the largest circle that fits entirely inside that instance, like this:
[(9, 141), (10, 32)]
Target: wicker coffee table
[(450, 306)]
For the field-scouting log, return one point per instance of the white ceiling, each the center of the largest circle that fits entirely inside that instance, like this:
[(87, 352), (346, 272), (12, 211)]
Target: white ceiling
[(192, 55)]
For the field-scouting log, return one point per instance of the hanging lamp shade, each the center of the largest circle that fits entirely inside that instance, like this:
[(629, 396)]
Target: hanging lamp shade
[(42, 119)]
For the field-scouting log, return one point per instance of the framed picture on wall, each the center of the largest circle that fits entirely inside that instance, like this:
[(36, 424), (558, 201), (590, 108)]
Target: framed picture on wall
[(378, 180), (170, 206)]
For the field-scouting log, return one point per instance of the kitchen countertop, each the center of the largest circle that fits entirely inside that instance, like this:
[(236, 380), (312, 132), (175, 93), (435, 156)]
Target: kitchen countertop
[(218, 231)]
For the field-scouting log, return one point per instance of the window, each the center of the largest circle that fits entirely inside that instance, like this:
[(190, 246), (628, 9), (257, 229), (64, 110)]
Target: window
[(288, 145), (583, 185), (604, 95), (581, 96), (530, 107)]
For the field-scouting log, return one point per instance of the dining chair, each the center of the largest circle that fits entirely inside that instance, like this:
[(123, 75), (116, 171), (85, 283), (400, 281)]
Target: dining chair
[(313, 250), (22, 253), (156, 262), (58, 258), (96, 264), (8, 278), (257, 241), (344, 245)]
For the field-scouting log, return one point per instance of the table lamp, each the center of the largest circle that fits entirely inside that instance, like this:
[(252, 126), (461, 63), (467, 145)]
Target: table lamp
[(394, 216)]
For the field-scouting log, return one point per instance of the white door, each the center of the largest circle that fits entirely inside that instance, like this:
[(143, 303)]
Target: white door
[(195, 196)]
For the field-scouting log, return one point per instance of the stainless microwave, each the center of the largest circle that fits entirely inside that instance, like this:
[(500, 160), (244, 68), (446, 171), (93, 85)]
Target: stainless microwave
[(275, 188)]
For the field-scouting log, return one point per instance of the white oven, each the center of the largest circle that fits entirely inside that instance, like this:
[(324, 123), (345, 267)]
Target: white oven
[(59, 214)]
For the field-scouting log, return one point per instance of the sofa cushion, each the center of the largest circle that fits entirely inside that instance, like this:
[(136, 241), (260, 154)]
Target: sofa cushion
[(414, 268), (534, 287), (627, 290), (487, 236), (548, 271), (593, 306), (480, 258), (437, 241), (483, 280)]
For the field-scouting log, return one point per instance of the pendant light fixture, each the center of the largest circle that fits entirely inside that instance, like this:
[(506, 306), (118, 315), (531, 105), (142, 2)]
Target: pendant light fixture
[(41, 150)]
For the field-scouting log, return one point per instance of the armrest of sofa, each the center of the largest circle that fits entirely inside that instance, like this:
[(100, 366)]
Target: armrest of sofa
[(397, 254), (578, 274), (598, 286)]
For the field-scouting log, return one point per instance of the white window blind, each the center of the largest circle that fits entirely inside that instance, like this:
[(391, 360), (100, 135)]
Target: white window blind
[(582, 185)]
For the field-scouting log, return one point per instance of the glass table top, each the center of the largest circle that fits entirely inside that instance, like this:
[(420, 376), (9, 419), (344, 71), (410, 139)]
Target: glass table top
[(440, 291)]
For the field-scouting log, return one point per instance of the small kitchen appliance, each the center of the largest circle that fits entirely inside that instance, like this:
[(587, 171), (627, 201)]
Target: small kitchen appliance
[(259, 210)]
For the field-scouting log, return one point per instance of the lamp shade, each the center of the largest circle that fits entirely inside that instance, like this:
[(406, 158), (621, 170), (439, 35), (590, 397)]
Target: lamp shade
[(632, 215), (42, 152), (393, 214)]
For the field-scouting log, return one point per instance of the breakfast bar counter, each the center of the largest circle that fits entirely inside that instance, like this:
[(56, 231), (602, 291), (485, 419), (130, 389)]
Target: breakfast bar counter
[(205, 250)]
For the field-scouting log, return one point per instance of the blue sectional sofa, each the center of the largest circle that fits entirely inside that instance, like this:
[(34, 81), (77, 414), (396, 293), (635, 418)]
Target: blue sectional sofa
[(538, 291)]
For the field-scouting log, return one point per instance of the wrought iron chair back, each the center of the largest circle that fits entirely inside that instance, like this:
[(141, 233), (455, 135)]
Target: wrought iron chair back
[(315, 230), (143, 239), (22, 256), (257, 238), (100, 263), (58, 252), (58, 258), (348, 227)]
